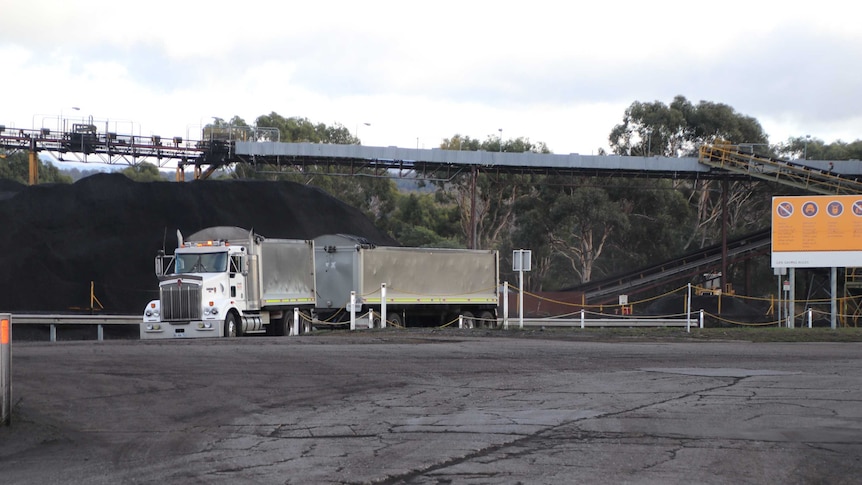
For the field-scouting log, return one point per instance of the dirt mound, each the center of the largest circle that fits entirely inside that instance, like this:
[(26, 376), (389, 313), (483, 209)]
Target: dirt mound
[(105, 228)]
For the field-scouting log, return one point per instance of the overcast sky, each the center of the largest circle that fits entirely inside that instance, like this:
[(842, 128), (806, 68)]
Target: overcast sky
[(411, 73)]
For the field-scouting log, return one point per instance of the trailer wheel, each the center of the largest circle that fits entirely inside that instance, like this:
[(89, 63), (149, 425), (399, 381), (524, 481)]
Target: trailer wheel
[(486, 320), (395, 320), (469, 321), (305, 325), (231, 328)]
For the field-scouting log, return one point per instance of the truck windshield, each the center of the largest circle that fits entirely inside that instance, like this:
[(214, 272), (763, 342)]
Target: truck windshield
[(201, 263)]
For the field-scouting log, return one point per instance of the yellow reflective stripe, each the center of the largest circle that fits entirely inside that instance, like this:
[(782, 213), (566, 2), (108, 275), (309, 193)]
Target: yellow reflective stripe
[(433, 300), (291, 300)]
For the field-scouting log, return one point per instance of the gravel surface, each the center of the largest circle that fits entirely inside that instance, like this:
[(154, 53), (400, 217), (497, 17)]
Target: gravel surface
[(431, 407)]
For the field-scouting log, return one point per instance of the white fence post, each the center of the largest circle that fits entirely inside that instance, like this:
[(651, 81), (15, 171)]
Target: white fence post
[(582, 318), (506, 305), (688, 310), (701, 318), (810, 317), (353, 310), (383, 305)]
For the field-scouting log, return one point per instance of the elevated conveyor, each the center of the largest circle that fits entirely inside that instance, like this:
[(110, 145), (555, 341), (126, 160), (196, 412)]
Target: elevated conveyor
[(803, 176), (675, 269)]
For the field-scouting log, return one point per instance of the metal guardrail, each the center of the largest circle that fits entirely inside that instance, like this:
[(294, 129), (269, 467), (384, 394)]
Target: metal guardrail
[(602, 322), (54, 320)]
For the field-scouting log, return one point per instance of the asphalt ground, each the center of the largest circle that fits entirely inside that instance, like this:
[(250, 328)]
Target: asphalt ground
[(432, 407)]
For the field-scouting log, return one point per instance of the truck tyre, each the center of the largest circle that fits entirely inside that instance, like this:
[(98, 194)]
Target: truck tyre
[(486, 320), (394, 319), (305, 325), (277, 327), (469, 322), (231, 327)]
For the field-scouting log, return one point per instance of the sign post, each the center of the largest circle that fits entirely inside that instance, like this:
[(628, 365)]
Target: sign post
[(5, 369), (521, 261)]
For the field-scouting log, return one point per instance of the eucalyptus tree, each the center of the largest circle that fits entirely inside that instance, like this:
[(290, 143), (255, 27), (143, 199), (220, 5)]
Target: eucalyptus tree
[(488, 218), (679, 129)]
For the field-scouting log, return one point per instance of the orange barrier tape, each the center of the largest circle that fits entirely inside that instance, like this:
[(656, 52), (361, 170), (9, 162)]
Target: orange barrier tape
[(4, 331)]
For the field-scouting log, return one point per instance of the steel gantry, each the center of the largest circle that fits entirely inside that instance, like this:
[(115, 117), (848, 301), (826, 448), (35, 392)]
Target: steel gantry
[(84, 140)]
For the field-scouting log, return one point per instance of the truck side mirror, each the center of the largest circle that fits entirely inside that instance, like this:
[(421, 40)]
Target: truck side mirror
[(160, 263)]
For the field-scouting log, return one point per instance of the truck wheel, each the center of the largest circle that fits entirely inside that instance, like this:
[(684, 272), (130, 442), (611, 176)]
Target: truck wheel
[(394, 319), (231, 329), (469, 322), (486, 320), (277, 327), (375, 320), (305, 322)]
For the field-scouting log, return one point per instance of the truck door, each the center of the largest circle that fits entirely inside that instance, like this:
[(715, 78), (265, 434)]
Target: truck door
[(237, 276)]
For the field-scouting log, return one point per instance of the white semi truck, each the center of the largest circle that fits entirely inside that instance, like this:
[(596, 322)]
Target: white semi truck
[(228, 281)]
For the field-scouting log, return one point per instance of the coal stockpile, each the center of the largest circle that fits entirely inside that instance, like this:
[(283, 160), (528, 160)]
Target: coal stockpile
[(106, 229)]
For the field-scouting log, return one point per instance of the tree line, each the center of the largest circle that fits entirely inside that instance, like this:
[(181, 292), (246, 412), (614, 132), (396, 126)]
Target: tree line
[(580, 229)]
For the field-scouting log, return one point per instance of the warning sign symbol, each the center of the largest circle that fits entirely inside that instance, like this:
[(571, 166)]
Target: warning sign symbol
[(835, 208), (785, 209), (809, 209)]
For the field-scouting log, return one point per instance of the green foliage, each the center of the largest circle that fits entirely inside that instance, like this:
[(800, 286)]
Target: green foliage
[(816, 149), (680, 128), (143, 172), (16, 166), (295, 130), (421, 220)]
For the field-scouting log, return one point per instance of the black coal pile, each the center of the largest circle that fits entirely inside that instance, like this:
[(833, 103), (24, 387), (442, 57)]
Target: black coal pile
[(106, 229), (727, 307)]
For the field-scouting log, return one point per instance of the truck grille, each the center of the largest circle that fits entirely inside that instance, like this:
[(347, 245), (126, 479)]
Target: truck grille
[(181, 302)]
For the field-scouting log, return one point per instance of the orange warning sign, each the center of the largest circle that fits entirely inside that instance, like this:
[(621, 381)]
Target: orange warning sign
[(4, 331), (817, 223)]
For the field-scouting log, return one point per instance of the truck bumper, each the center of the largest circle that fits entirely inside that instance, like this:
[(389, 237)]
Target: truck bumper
[(165, 330)]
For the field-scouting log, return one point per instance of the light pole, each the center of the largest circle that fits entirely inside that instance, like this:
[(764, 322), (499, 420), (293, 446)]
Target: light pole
[(501, 139), (805, 151)]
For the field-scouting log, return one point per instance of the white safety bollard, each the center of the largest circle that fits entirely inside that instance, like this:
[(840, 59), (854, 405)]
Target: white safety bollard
[(701, 318), (582, 319), (295, 321)]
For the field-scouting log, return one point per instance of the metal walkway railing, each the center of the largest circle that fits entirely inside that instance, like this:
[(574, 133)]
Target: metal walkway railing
[(730, 158)]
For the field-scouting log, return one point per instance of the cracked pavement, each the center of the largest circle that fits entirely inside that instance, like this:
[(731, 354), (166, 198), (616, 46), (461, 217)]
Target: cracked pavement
[(406, 407)]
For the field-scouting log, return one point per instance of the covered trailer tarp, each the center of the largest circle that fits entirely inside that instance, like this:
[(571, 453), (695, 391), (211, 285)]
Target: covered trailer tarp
[(413, 276)]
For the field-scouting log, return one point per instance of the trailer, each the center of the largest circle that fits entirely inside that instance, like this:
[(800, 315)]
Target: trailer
[(422, 286)]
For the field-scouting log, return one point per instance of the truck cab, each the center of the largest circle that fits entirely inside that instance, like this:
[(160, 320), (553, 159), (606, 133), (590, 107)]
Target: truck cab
[(199, 287), (227, 281)]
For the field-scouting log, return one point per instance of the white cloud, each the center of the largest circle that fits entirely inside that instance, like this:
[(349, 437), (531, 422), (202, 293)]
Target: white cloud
[(557, 72)]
